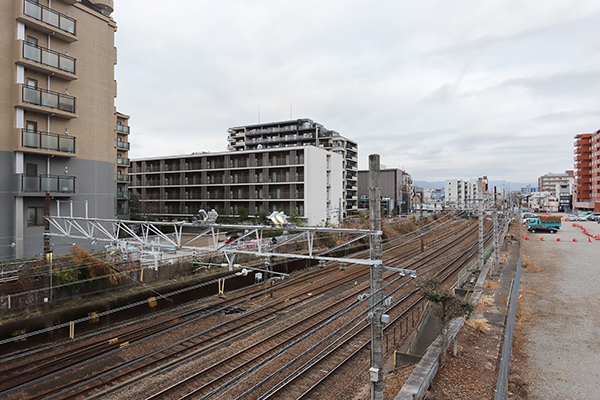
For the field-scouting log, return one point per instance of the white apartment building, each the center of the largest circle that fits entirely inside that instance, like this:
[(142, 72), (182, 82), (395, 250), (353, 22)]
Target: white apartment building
[(305, 180), (461, 193), (302, 132)]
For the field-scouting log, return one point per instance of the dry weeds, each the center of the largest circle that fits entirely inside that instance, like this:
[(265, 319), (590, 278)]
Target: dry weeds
[(487, 300), (480, 325)]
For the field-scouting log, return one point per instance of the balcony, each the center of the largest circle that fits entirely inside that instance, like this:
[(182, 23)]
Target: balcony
[(122, 195), (123, 129), (122, 161), (47, 102), (123, 178), (583, 180), (587, 157), (122, 145), (122, 210), (47, 61), (49, 21), (47, 183), (48, 141)]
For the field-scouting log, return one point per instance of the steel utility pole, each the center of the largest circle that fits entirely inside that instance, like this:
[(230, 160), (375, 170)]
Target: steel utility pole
[(496, 240), (480, 190), (376, 298)]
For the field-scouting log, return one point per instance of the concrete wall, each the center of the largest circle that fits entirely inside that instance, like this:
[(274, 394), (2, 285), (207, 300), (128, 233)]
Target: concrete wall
[(320, 210)]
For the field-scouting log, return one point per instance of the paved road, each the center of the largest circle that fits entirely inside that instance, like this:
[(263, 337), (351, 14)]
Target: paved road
[(564, 301)]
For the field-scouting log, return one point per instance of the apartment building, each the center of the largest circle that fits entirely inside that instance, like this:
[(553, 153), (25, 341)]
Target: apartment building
[(59, 124), (122, 176), (463, 194), (583, 197), (396, 187), (587, 172), (305, 180), (550, 182), (302, 132)]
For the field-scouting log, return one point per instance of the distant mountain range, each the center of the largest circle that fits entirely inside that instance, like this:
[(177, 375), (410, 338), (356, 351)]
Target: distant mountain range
[(513, 186)]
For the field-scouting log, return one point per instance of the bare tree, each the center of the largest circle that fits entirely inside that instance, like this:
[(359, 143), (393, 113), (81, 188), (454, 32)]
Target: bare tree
[(446, 306)]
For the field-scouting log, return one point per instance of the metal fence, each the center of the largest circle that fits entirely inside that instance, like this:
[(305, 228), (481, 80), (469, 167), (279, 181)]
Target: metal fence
[(501, 392)]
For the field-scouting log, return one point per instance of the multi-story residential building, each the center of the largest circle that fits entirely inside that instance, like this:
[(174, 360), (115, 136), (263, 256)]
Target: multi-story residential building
[(122, 178), (302, 132), (586, 172), (564, 193), (305, 180), (549, 182), (596, 170), (396, 185), (57, 113), (463, 194)]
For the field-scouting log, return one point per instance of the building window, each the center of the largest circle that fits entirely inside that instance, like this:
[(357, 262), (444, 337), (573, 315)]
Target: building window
[(30, 169), (35, 216), (31, 126)]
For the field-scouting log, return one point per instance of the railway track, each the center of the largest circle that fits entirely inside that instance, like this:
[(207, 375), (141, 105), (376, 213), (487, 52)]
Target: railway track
[(287, 297)]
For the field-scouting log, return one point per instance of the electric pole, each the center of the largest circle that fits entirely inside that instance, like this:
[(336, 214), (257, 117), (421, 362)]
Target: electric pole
[(480, 190), (376, 298)]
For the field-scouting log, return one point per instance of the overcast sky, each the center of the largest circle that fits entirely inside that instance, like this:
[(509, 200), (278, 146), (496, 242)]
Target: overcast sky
[(442, 89)]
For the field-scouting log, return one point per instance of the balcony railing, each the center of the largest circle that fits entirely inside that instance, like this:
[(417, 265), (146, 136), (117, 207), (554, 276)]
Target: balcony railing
[(47, 15), (123, 145), (122, 178), (47, 183), (47, 141), (122, 128), (122, 195), (122, 161), (48, 57), (122, 210), (47, 98)]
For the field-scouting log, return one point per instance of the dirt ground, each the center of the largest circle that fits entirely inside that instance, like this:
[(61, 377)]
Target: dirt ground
[(555, 347)]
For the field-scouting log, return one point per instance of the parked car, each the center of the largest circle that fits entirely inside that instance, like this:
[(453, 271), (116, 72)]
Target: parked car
[(533, 228), (593, 217), (232, 238), (572, 217)]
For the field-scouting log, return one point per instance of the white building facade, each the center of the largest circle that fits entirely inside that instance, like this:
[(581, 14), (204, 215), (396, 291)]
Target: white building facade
[(302, 180)]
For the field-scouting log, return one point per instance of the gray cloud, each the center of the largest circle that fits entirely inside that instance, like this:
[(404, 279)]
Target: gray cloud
[(442, 89)]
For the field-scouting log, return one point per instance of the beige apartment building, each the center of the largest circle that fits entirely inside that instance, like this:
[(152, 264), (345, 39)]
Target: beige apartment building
[(304, 180), (60, 132)]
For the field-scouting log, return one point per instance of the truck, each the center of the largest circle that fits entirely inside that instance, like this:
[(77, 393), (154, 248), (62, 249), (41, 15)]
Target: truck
[(548, 220)]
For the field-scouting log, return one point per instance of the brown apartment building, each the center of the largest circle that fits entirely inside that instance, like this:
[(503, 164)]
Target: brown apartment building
[(60, 132), (587, 172)]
